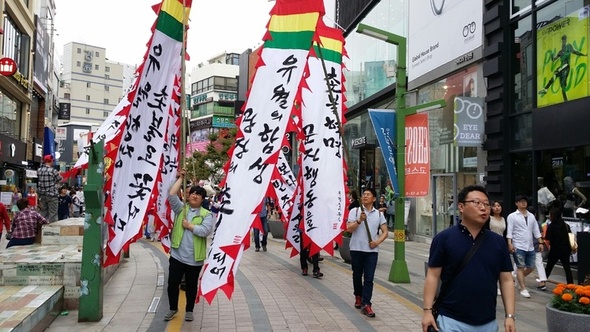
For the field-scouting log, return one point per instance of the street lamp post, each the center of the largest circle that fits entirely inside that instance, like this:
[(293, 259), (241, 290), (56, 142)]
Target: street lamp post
[(399, 268)]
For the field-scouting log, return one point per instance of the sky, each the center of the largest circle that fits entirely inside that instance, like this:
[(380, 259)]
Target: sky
[(122, 27)]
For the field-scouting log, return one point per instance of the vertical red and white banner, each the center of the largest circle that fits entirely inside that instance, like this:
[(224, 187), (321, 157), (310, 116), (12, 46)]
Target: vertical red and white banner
[(133, 177), (417, 155), (322, 165), (261, 129), (283, 183)]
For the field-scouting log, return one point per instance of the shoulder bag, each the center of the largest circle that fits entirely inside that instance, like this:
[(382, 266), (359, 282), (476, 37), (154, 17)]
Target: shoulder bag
[(573, 243), (445, 286)]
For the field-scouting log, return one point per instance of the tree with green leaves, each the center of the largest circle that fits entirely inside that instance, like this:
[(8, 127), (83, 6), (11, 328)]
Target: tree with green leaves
[(208, 165)]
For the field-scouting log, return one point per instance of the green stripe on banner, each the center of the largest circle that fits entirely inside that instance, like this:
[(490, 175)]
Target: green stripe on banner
[(290, 40), (169, 26), (328, 55)]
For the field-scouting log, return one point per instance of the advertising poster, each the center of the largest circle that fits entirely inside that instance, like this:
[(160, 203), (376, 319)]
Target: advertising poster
[(417, 155), (562, 59), (441, 31)]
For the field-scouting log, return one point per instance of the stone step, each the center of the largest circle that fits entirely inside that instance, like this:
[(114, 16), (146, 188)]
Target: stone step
[(63, 232), (29, 308), (39, 265)]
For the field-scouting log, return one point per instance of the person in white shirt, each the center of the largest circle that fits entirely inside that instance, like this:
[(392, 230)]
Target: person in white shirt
[(521, 232), (545, 198)]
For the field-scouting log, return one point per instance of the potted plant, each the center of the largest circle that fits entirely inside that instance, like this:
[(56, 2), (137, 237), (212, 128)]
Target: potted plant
[(344, 248), (569, 309)]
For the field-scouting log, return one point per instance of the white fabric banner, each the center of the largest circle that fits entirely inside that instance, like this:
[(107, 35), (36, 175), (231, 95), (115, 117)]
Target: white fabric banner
[(168, 170), (294, 232), (322, 166), (140, 150), (253, 159), (110, 127), (284, 184)]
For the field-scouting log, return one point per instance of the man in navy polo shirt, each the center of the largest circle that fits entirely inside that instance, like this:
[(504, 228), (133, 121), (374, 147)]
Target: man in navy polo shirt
[(470, 300)]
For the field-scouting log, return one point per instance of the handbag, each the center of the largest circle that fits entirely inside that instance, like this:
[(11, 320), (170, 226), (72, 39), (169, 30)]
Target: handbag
[(573, 243), (445, 286)]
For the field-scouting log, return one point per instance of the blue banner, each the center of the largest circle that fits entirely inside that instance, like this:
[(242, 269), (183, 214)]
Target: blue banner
[(384, 125), (48, 142)]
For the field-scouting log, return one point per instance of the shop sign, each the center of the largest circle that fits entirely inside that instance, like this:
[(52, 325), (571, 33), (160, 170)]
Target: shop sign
[(227, 96), (21, 79), (359, 142), (201, 123), (7, 67), (223, 122), (31, 173), (201, 99)]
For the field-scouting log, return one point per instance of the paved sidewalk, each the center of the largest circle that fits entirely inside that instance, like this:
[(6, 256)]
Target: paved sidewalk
[(271, 295)]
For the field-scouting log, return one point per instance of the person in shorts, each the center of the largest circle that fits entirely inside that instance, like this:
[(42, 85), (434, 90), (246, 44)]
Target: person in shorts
[(522, 232)]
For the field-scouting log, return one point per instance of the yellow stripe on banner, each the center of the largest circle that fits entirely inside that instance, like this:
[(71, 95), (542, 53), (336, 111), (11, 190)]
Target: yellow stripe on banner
[(174, 9), (293, 23), (331, 44)]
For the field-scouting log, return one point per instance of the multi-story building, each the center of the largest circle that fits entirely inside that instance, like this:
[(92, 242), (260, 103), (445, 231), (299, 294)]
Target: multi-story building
[(538, 93), (16, 137), (214, 88), (91, 85), (443, 66)]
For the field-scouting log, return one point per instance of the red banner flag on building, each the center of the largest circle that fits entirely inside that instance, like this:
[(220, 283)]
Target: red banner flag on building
[(417, 155)]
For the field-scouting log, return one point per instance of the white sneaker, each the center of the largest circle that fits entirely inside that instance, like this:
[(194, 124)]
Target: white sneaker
[(525, 293)]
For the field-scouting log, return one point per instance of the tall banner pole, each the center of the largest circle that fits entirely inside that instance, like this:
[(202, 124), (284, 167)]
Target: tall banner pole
[(184, 112)]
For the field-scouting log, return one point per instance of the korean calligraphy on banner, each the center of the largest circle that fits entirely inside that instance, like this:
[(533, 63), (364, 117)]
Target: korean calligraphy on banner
[(322, 165), (261, 128), (145, 134), (284, 183)]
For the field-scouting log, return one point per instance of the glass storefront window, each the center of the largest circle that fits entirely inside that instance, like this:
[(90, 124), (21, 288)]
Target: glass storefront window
[(519, 7), (522, 132), (10, 120), (563, 170), (523, 73), (372, 64)]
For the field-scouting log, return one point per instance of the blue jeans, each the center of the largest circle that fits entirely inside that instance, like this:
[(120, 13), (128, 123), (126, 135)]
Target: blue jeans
[(20, 242), (363, 266), (264, 223), (524, 258), (448, 324)]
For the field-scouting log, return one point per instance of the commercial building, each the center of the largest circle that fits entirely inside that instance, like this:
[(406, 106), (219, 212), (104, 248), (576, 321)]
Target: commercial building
[(441, 66), (538, 95), (513, 74), (18, 136), (214, 88), (91, 85)]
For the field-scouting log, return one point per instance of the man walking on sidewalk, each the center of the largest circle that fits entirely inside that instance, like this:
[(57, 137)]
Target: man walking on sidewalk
[(521, 232), (467, 301), (47, 180), (364, 223), (188, 247)]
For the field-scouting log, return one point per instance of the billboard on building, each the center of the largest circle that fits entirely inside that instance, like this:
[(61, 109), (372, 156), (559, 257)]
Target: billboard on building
[(562, 59), (441, 31)]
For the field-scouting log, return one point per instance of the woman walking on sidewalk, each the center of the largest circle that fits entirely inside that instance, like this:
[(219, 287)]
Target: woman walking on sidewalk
[(188, 248), (557, 238)]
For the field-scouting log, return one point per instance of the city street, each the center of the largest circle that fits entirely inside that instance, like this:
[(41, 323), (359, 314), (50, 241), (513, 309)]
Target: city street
[(271, 295)]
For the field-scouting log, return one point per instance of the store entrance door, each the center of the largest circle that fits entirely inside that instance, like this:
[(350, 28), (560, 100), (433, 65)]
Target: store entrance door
[(444, 201)]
